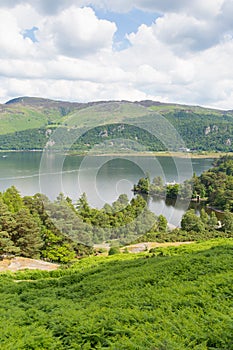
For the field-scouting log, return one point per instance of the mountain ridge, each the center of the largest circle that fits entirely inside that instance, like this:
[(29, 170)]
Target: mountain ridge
[(146, 103), (24, 123)]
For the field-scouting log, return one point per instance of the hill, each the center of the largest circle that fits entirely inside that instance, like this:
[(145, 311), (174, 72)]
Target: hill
[(173, 298), (27, 123)]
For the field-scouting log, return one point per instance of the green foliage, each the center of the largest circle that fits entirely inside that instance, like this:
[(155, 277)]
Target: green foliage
[(213, 221), (171, 298), (27, 234), (12, 199), (34, 227), (158, 188), (123, 220), (162, 223), (172, 191), (217, 184), (191, 222), (114, 250), (214, 186), (143, 186), (202, 130), (227, 222), (59, 231)]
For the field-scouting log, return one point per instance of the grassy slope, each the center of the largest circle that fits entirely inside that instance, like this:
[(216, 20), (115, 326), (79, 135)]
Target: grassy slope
[(32, 113), (105, 113), (180, 299), (12, 120), (163, 108), (18, 118)]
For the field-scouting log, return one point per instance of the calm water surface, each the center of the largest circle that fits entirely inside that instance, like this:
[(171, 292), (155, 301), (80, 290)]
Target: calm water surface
[(103, 178)]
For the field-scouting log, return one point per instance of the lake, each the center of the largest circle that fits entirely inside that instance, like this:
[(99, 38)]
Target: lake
[(103, 178)]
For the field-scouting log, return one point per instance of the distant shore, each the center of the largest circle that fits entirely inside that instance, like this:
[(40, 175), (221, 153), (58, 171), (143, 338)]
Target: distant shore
[(157, 154), (194, 155)]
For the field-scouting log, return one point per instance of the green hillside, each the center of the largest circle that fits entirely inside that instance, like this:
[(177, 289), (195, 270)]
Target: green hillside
[(24, 124), (176, 298), (111, 112), (22, 118)]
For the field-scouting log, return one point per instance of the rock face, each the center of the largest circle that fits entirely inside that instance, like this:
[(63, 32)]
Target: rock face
[(18, 263)]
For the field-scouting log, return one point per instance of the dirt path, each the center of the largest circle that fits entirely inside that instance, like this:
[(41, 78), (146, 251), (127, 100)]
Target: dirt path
[(18, 263), (140, 247)]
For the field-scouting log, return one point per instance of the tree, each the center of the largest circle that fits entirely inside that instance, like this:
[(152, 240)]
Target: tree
[(11, 197), (6, 244), (198, 187), (204, 216), (7, 222), (191, 222), (162, 223), (157, 186), (213, 221), (172, 191), (120, 203), (186, 190), (27, 234), (143, 185), (227, 222), (158, 181), (82, 206)]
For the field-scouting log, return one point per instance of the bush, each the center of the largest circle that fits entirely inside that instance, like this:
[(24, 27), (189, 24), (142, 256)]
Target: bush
[(114, 250)]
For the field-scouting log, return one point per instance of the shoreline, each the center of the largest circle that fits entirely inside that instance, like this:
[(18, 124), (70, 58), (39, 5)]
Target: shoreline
[(133, 154)]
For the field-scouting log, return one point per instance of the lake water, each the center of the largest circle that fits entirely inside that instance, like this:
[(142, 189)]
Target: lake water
[(103, 178)]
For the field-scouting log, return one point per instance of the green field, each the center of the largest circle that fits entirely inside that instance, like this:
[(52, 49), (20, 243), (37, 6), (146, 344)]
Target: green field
[(176, 298)]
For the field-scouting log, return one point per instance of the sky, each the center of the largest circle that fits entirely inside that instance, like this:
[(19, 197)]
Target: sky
[(79, 50)]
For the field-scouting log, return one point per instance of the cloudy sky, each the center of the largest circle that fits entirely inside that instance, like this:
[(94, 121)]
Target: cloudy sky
[(79, 50)]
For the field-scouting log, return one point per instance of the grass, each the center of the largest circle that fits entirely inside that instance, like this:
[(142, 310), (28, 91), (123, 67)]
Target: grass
[(105, 114), (178, 298), (166, 108)]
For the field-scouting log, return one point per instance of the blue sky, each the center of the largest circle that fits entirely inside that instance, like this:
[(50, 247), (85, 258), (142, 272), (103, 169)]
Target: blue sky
[(126, 23), (89, 50), (30, 33)]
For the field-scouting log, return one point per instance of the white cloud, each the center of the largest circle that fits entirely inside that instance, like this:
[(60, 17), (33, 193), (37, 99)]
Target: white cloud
[(76, 32), (185, 33), (12, 43), (184, 56)]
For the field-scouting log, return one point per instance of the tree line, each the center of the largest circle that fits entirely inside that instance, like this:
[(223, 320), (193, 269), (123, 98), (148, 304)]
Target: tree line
[(60, 231), (35, 227), (214, 186)]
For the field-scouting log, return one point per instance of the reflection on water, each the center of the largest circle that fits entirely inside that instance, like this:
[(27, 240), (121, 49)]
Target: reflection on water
[(103, 178)]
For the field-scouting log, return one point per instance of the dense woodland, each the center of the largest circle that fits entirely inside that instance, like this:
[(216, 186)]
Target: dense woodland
[(33, 226), (204, 131)]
